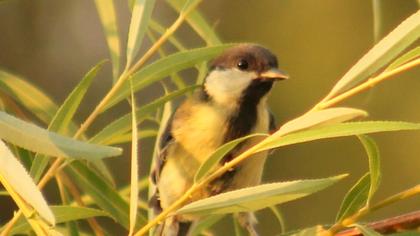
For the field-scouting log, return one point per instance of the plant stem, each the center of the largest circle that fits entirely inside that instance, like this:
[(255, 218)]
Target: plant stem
[(365, 210), (366, 85)]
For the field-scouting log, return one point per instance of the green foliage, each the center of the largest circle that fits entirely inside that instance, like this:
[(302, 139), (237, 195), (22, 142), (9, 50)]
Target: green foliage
[(88, 174)]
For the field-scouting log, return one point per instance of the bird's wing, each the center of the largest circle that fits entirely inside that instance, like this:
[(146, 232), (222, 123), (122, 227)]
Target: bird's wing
[(165, 140)]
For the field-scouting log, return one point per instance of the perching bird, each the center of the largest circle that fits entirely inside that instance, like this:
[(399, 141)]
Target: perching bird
[(231, 103)]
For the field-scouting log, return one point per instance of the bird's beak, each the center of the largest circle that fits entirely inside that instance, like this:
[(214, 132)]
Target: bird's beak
[(274, 74)]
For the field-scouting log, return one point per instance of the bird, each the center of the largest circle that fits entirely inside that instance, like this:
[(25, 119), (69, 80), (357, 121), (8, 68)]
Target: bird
[(231, 103)]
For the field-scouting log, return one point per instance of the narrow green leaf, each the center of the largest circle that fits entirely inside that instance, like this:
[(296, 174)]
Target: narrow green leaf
[(355, 199), (336, 130), (198, 23), (239, 231), (40, 140), (28, 96), (157, 27), (381, 54), (140, 17), (62, 214), (165, 67), (123, 124), (134, 188), (280, 218), (189, 5), (410, 55), (258, 197), (104, 195), (107, 14), (205, 224), (62, 119), (372, 151), (13, 175), (214, 159), (366, 231), (125, 138), (321, 118)]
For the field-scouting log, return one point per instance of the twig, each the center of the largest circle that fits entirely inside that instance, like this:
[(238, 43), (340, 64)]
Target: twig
[(365, 210), (406, 222)]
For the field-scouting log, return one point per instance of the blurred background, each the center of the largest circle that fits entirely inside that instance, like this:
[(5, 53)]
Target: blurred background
[(54, 43)]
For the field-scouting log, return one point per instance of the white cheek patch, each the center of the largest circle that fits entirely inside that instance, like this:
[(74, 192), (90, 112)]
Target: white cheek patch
[(226, 86)]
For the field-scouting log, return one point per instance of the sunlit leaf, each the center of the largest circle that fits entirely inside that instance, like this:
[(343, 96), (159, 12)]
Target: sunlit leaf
[(205, 224), (134, 188), (62, 214), (258, 197), (28, 96), (15, 178), (381, 54), (140, 17), (40, 140), (123, 124), (107, 14), (319, 118), (104, 195), (165, 67), (189, 5), (214, 159), (410, 55), (198, 23), (372, 151), (366, 231), (355, 199), (63, 117), (336, 130)]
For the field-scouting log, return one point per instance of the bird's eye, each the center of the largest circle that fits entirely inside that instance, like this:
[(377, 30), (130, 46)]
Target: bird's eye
[(242, 64)]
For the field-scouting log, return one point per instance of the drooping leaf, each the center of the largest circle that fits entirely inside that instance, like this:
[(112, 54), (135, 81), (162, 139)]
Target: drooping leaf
[(336, 130), (366, 231), (205, 224), (40, 140), (140, 17), (62, 214), (280, 218), (217, 155), (28, 96), (104, 195), (258, 197), (165, 67), (63, 117), (16, 179), (107, 14), (410, 55), (134, 193), (381, 54), (372, 151), (189, 5), (123, 124), (355, 199), (319, 118), (198, 23)]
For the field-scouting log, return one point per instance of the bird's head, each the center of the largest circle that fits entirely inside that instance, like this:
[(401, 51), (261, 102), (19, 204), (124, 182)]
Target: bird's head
[(244, 70)]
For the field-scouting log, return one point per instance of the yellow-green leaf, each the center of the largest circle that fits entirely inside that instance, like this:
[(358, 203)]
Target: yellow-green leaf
[(258, 197), (34, 138)]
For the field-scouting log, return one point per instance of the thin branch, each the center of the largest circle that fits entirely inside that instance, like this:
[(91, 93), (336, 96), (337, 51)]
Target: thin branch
[(406, 222)]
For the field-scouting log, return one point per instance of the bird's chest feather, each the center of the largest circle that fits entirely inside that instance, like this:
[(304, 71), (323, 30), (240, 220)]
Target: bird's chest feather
[(201, 132)]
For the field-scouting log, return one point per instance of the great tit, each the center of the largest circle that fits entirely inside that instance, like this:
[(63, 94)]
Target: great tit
[(231, 103)]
